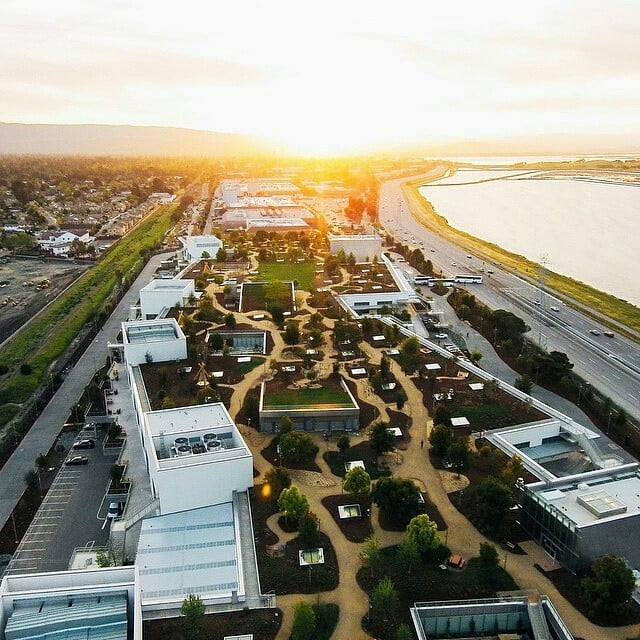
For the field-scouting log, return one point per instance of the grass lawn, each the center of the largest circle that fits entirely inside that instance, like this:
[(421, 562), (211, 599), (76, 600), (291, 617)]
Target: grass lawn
[(304, 273), (428, 582), (255, 297), (320, 397)]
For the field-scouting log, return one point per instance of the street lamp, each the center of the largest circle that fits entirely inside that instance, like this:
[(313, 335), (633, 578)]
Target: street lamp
[(609, 422), (584, 385)]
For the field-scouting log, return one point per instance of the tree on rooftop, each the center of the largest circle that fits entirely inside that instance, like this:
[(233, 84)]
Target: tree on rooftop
[(357, 482), (424, 532), (304, 622), (278, 478), (343, 443), (440, 438), (308, 528), (230, 321), (398, 498), (370, 553), (384, 600), (221, 255), (381, 439), (458, 454), (293, 504), (292, 333), (492, 502), (296, 447)]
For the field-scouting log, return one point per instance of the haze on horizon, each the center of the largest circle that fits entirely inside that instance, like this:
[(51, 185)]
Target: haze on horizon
[(329, 77)]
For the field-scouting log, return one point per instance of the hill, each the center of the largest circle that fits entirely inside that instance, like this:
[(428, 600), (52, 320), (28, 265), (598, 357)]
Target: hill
[(98, 139)]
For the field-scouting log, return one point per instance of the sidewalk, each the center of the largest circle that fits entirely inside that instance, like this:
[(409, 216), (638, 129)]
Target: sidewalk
[(45, 429)]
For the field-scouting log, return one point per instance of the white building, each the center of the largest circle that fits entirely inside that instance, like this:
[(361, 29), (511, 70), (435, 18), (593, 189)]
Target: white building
[(162, 294), (194, 246), (153, 340), (195, 455), (59, 243), (92, 603), (363, 247)]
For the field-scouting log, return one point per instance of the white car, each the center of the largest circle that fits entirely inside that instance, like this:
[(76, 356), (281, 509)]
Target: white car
[(454, 264), (556, 309), (441, 336)]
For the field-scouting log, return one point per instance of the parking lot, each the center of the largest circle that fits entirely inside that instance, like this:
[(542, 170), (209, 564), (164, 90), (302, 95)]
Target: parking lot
[(73, 514)]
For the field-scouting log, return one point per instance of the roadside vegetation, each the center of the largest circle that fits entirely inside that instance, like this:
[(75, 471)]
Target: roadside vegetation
[(619, 310), (89, 300)]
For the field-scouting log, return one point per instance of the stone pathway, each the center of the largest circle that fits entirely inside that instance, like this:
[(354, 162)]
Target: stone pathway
[(462, 537)]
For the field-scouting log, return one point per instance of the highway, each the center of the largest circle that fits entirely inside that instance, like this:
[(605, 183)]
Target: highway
[(611, 364)]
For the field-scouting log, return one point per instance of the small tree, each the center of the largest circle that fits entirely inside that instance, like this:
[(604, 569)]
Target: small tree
[(277, 479), (293, 504), (343, 443), (308, 528), (230, 321), (524, 383), (102, 559), (192, 611), (384, 600), (408, 555), (397, 498), (492, 501), (357, 482), (285, 425), (440, 438), (296, 446), (609, 587), (380, 438), (404, 632), (370, 553), (458, 454), (488, 555), (304, 622), (292, 333), (424, 532)]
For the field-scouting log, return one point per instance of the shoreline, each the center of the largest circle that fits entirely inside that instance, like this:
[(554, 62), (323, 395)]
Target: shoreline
[(605, 307)]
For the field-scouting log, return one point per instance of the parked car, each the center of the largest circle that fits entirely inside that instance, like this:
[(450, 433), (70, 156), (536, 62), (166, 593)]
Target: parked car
[(77, 460), (441, 336), (114, 510), (84, 444)]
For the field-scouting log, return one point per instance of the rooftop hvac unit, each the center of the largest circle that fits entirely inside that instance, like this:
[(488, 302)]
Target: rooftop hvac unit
[(583, 486), (184, 450), (209, 436), (214, 445), (181, 441)]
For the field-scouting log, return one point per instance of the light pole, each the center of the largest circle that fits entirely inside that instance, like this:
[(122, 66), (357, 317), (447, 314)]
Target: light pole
[(584, 385), (609, 422)]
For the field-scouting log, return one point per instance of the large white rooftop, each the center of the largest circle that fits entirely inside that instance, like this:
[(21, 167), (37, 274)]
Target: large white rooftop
[(193, 551), (150, 331), (593, 497)]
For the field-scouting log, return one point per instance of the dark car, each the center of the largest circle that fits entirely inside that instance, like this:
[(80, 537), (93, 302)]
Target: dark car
[(84, 444), (77, 460)]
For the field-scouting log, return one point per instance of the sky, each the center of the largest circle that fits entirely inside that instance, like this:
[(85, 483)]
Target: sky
[(330, 76)]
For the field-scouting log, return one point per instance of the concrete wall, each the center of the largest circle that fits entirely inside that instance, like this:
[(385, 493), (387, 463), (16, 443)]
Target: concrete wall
[(155, 298), (618, 537), (362, 247), (161, 351), (200, 481)]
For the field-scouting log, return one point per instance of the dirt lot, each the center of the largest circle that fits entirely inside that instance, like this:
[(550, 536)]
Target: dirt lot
[(19, 302)]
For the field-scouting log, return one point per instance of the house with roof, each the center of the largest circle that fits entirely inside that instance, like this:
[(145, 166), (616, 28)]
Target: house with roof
[(59, 243)]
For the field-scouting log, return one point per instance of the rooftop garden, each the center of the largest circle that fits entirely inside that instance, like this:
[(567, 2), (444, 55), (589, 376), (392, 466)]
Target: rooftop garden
[(302, 272), (258, 296), (320, 396)]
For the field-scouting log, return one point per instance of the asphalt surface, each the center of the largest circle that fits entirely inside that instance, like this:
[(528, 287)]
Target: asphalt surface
[(72, 515), (45, 429), (612, 365)]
